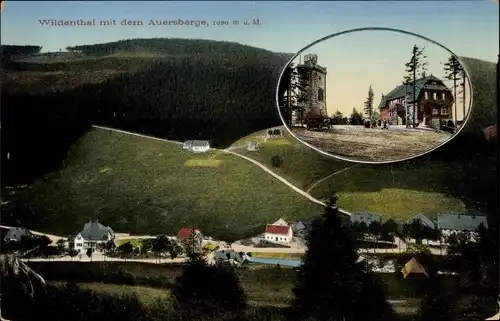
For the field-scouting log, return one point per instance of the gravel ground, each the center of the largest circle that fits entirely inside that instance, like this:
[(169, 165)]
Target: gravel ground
[(363, 144)]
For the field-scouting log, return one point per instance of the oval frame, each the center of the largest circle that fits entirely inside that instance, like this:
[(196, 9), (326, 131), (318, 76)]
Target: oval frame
[(464, 124)]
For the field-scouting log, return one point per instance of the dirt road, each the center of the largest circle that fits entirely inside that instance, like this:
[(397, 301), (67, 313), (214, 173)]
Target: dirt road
[(358, 143)]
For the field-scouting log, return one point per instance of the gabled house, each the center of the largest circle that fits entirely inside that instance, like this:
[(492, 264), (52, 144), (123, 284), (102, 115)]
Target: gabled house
[(187, 233), (453, 223), (423, 220), (200, 146), (196, 146), (365, 217), (15, 234), (92, 235), (433, 101), (414, 270), (278, 233)]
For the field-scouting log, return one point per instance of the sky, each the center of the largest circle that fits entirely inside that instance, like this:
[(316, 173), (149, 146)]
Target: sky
[(468, 28)]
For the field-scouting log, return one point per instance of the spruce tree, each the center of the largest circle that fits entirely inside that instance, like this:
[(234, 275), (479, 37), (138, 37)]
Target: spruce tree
[(332, 284)]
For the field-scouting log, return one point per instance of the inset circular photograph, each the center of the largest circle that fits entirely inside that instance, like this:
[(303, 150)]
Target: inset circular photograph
[(374, 95)]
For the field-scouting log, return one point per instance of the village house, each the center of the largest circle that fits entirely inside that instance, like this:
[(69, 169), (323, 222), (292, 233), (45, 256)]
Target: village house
[(197, 146), (433, 100), (423, 220), (92, 236), (414, 270), (365, 217), (454, 223), (187, 233), (15, 234), (280, 232)]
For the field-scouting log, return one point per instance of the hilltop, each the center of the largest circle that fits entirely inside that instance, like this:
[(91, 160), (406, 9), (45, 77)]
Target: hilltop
[(171, 88)]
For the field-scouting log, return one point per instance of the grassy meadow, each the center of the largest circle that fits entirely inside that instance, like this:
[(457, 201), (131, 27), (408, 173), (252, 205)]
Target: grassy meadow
[(395, 191), (140, 185), (302, 166), (266, 287)]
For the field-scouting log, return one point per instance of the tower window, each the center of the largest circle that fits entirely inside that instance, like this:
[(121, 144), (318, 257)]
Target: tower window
[(319, 77), (320, 94)]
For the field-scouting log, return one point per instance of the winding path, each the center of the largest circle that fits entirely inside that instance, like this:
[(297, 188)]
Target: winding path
[(230, 151), (327, 177)]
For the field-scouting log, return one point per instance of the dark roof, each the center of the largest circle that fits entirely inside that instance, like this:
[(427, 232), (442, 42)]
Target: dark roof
[(277, 229), (95, 231), (200, 143), (186, 232), (16, 233), (461, 222), (422, 219), (400, 91)]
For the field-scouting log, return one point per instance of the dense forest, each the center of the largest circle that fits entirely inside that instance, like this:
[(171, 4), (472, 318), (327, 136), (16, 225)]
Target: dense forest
[(193, 89)]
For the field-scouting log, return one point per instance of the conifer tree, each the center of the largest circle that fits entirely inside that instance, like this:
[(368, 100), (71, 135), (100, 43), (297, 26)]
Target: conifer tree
[(332, 284)]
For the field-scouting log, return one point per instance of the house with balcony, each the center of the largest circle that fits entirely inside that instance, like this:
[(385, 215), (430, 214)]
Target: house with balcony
[(93, 235), (429, 97)]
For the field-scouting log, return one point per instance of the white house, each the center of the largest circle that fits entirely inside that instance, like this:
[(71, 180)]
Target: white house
[(197, 146), (454, 223), (278, 233), (93, 234)]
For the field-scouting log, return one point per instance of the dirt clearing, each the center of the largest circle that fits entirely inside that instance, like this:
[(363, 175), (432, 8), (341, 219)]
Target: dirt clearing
[(358, 143)]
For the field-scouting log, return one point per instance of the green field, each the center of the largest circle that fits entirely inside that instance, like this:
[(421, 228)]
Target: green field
[(395, 191), (302, 166), (265, 286), (140, 185)]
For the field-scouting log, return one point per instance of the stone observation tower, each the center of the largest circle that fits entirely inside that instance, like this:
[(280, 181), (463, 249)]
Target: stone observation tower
[(313, 78)]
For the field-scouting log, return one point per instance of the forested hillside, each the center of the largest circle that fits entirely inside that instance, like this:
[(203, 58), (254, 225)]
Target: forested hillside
[(171, 88)]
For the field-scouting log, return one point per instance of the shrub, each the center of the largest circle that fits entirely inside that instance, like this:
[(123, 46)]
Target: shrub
[(203, 288), (276, 161)]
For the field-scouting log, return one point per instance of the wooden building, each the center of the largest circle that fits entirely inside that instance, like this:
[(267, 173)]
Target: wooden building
[(433, 100)]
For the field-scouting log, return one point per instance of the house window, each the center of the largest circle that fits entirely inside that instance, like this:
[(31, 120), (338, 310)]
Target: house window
[(444, 111), (434, 96), (443, 96), (435, 111), (426, 95), (320, 94), (319, 77)]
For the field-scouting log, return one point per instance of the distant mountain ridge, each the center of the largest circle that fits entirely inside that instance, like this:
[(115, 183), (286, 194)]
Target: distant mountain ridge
[(196, 89)]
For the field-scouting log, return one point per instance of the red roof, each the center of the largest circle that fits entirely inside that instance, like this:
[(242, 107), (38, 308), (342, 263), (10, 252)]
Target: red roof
[(277, 229), (186, 232)]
